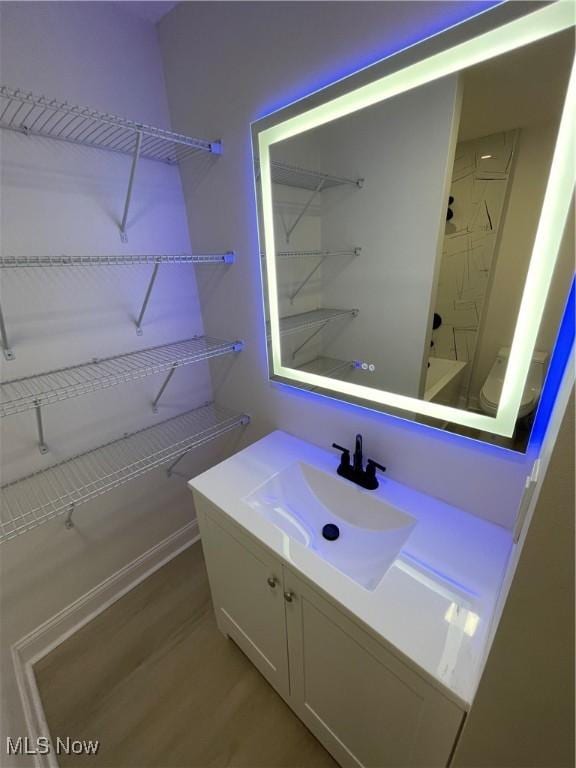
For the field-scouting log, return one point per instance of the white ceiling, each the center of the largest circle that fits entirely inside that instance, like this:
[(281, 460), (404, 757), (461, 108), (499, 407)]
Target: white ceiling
[(147, 10), (519, 88)]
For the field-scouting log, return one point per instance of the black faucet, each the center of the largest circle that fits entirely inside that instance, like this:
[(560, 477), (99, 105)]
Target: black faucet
[(358, 454), (365, 478)]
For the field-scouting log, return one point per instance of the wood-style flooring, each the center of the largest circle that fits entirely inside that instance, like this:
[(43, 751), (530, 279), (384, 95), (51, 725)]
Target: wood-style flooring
[(158, 685)]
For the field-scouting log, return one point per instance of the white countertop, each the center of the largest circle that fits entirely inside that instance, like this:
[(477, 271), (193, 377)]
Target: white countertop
[(434, 605)]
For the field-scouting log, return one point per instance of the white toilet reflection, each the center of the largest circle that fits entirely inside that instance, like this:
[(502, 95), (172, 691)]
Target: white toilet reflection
[(492, 387)]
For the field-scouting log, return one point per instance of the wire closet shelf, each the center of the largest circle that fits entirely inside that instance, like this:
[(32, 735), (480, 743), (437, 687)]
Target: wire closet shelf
[(40, 116), (312, 319), (31, 501), (14, 262), (119, 260), (303, 178), (28, 393), (316, 253), (327, 366)]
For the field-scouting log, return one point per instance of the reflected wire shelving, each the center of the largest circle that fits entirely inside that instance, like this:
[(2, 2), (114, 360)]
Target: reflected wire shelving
[(312, 181), (303, 178), (320, 255), (313, 319), (64, 261), (31, 501), (326, 366)]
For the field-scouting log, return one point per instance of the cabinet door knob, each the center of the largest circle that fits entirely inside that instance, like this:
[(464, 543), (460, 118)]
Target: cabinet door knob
[(289, 596), (272, 581)]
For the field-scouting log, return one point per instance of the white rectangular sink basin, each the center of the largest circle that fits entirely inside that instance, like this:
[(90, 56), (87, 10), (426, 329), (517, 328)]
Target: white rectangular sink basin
[(300, 500)]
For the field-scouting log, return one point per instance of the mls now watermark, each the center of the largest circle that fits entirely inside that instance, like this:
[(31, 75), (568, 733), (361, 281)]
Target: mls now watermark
[(23, 745)]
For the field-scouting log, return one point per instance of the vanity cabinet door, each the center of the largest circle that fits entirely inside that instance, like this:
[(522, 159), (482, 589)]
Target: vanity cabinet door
[(246, 585), (359, 700)]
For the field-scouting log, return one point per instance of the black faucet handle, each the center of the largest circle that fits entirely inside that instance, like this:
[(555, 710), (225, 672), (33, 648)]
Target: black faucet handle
[(371, 481), (345, 460), (371, 466)]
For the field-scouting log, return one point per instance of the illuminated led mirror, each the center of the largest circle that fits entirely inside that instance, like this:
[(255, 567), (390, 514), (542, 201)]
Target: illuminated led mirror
[(415, 253)]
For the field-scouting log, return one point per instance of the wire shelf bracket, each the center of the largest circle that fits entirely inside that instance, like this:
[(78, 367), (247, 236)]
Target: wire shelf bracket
[(6, 349), (314, 181), (162, 388), (309, 338), (170, 469), (316, 319), (315, 192), (42, 447), (227, 258), (303, 178), (34, 392), (33, 115), (234, 346), (60, 489), (323, 256), (139, 330), (68, 522), (13, 262), (135, 158)]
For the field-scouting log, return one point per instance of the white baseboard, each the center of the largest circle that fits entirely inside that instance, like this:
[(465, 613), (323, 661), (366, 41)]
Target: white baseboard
[(36, 644)]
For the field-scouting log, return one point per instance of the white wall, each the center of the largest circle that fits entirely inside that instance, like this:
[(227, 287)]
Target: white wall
[(56, 199), (403, 149), (266, 55), (523, 713)]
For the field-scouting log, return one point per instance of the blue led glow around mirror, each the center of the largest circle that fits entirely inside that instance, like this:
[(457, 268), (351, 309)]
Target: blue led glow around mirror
[(523, 31)]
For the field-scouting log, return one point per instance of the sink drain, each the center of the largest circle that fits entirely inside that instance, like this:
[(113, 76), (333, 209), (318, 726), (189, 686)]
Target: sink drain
[(330, 531)]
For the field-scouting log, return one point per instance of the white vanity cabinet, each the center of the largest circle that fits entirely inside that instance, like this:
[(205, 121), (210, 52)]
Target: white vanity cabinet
[(366, 706), (246, 582)]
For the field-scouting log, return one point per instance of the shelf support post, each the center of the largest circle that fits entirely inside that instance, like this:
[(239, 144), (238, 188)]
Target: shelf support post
[(8, 353), (135, 158), (68, 522), (317, 331), (170, 469), (303, 211), (42, 447), (146, 299), (354, 252), (303, 283), (163, 387)]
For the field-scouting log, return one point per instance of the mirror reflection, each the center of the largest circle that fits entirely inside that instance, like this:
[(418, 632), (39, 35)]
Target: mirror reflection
[(403, 234)]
